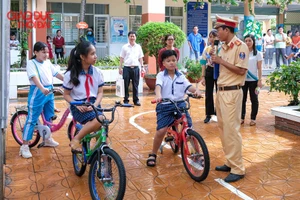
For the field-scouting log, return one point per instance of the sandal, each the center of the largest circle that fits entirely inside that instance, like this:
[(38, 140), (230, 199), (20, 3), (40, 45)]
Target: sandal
[(75, 146), (149, 160), (56, 110), (242, 121), (252, 123)]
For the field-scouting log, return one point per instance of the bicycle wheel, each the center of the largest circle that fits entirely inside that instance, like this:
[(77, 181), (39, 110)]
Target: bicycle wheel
[(107, 177), (195, 156), (78, 158), (71, 130), (17, 124)]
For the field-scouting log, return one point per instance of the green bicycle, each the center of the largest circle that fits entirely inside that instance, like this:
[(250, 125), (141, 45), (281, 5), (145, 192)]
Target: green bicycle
[(107, 176)]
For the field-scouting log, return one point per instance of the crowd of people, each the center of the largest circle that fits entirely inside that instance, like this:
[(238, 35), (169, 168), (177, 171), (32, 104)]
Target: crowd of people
[(239, 71), (284, 45)]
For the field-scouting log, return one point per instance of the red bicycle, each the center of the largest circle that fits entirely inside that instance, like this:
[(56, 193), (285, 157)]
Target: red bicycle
[(43, 127), (194, 152)]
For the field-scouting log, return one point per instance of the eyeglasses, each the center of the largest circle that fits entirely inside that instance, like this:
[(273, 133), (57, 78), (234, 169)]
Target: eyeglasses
[(170, 39)]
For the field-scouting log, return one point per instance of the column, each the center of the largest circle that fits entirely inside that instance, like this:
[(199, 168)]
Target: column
[(248, 17), (280, 20), (41, 33), (152, 10)]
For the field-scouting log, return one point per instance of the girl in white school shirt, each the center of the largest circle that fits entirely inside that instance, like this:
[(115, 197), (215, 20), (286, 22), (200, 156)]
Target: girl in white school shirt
[(83, 82), (40, 72)]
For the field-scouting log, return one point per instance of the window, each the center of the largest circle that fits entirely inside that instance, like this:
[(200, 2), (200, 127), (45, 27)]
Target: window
[(70, 30), (71, 8), (135, 17), (102, 9), (54, 7), (56, 24), (174, 15), (66, 16)]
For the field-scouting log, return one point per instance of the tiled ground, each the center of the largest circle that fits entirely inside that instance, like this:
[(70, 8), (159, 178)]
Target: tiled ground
[(271, 157)]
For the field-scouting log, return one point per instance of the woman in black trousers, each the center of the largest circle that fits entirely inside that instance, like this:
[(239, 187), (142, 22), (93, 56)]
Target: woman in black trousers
[(253, 80), (208, 77)]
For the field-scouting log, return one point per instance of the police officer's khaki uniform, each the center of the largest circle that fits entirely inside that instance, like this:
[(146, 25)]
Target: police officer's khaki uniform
[(229, 103)]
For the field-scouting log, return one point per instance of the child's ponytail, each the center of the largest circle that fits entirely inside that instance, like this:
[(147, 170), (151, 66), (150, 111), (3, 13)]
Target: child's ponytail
[(74, 66)]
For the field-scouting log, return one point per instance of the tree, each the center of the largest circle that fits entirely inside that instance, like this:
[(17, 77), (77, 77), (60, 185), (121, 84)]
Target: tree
[(81, 18), (24, 39), (151, 37)]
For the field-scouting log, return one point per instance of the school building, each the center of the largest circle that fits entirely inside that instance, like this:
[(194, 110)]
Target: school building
[(112, 19)]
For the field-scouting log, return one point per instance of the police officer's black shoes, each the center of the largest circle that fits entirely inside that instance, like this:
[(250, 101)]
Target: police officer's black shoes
[(223, 168), (207, 119), (233, 177)]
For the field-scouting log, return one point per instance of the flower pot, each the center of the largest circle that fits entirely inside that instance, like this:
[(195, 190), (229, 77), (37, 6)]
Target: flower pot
[(150, 81), (193, 80)]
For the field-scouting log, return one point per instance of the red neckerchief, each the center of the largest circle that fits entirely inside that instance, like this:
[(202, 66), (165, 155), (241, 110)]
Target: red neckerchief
[(87, 88)]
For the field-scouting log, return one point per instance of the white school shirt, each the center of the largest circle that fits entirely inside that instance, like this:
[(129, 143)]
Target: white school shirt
[(175, 88), (252, 64), (131, 54), (44, 71), (78, 92)]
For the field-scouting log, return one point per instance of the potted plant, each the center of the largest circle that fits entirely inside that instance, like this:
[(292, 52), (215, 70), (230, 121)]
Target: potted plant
[(193, 70), (151, 36), (287, 80)]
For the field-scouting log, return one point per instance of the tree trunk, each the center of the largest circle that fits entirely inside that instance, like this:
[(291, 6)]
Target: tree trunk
[(24, 39), (81, 18)]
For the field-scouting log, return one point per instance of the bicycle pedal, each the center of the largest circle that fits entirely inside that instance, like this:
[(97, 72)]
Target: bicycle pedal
[(76, 151), (41, 145), (169, 139), (54, 117)]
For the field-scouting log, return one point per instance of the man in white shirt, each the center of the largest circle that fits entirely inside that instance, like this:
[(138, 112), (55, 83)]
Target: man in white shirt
[(280, 47), (132, 57)]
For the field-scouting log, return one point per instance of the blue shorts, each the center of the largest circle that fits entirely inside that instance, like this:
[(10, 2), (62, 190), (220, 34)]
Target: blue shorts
[(165, 115), (84, 117)]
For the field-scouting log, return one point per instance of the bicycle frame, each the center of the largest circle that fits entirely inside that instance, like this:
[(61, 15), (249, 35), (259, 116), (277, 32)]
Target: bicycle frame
[(179, 135), (56, 127), (101, 136)]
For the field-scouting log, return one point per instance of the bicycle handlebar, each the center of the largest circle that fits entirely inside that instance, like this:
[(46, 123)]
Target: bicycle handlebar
[(112, 109), (169, 100), (54, 90), (174, 102)]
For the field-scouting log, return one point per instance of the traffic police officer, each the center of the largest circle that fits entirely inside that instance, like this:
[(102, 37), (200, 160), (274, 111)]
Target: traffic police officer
[(233, 61)]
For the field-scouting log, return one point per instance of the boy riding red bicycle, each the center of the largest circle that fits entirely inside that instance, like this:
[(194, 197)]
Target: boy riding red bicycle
[(173, 85)]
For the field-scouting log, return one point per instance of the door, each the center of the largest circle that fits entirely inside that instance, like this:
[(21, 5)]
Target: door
[(101, 32)]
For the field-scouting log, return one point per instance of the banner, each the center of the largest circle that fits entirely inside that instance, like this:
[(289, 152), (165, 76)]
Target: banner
[(118, 30)]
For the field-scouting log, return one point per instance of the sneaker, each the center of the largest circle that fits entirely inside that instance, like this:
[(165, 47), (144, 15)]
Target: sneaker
[(51, 143), (25, 152)]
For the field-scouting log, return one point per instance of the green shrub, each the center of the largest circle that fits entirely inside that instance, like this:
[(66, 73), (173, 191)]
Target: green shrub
[(287, 80), (151, 37), (108, 61)]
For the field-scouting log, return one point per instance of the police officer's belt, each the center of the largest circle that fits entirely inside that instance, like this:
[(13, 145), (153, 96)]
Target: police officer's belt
[(226, 88)]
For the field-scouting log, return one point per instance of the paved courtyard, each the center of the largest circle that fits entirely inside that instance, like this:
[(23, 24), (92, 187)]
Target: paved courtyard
[(271, 158)]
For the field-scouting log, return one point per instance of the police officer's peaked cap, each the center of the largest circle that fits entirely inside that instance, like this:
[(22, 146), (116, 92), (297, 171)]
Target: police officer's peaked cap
[(222, 21)]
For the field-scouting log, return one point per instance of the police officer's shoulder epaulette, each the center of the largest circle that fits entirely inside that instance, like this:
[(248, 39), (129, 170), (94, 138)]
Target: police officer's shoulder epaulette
[(238, 42)]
